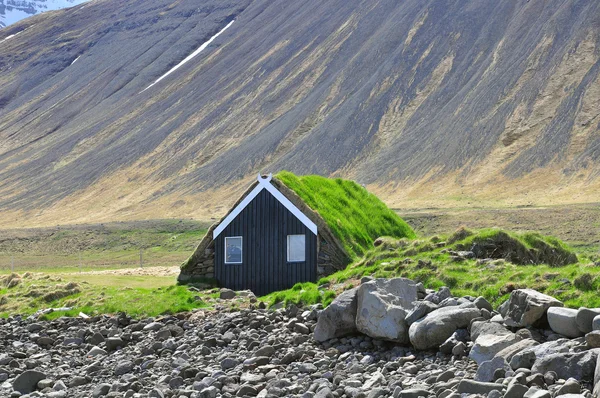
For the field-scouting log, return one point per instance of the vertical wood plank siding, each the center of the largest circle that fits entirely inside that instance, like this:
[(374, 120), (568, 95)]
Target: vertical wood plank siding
[(264, 226)]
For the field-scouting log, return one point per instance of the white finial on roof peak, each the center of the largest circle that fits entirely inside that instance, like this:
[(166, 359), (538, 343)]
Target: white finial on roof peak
[(266, 179)]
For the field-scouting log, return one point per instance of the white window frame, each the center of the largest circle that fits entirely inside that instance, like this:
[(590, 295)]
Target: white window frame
[(288, 249), (241, 238)]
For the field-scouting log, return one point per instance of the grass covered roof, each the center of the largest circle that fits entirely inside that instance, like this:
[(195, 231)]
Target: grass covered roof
[(354, 215)]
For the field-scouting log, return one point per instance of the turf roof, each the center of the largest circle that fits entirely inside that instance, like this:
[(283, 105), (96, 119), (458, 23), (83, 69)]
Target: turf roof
[(354, 215)]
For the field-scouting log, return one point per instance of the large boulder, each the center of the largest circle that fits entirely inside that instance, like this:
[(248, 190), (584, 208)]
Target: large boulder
[(437, 326), (585, 318), (338, 319), (527, 306), (564, 321), (27, 381), (488, 345), (382, 305), (580, 365), (509, 352), (487, 327)]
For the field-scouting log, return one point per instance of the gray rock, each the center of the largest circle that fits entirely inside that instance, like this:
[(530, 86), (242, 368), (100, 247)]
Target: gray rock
[(265, 351), (101, 390), (523, 360), (481, 303), (95, 351), (459, 350), (339, 318), (585, 318), (596, 323), (596, 380), (467, 386), (571, 386), (580, 365), (487, 327), (516, 390), (113, 343), (229, 363), (414, 393), (564, 321), (437, 326), (246, 390), (382, 305), (27, 381), (487, 369), (487, 346), (593, 339), (535, 392), (153, 327), (494, 394), (227, 294), (123, 367), (509, 352), (209, 392), (307, 367), (526, 306), (421, 309)]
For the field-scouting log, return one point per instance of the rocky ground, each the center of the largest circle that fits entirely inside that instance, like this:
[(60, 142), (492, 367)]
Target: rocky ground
[(429, 344)]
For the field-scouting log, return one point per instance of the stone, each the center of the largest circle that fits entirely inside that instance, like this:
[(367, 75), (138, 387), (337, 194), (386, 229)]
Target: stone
[(459, 350), (509, 352), (101, 390), (421, 309), (265, 351), (535, 392), (246, 390), (458, 336), (339, 318), (564, 321), (596, 323), (27, 381), (227, 294), (437, 326), (229, 363), (487, 346), (95, 351), (527, 306), (481, 303), (414, 393), (487, 327), (571, 386), (596, 379), (487, 369), (593, 339), (516, 390), (585, 318), (382, 305), (113, 343), (580, 365), (467, 386), (123, 367)]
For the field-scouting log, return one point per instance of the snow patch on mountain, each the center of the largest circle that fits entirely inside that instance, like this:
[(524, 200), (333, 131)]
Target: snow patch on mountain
[(189, 57)]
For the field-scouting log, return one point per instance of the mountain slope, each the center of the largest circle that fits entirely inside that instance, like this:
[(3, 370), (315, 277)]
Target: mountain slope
[(415, 98), (12, 11)]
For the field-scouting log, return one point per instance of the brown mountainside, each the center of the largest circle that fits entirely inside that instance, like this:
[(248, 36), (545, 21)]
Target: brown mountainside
[(427, 102)]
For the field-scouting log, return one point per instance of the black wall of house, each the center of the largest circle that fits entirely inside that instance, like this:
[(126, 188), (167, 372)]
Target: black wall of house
[(264, 225)]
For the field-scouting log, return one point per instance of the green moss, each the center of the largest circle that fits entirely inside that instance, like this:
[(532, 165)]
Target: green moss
[(354, 215)]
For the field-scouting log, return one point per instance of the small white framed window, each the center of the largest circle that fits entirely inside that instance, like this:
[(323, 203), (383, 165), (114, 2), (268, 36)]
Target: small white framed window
[(296, 248), (233, 250)]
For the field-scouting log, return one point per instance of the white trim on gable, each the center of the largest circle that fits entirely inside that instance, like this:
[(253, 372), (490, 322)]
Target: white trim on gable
[(264, 183)]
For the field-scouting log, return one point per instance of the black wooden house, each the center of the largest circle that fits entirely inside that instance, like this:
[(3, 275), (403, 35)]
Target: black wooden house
[(269, 241)]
